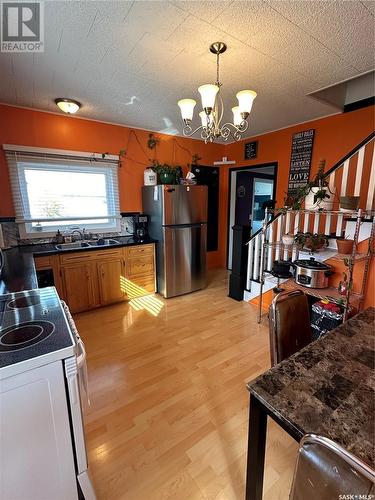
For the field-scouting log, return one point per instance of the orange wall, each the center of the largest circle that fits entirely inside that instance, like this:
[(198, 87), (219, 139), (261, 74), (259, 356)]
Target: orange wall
[(34, 128)]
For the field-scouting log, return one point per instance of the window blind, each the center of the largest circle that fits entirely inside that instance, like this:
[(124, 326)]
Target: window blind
[(55, 187)]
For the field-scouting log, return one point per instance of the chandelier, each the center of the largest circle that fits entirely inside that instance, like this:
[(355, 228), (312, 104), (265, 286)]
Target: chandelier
[(213, 108)]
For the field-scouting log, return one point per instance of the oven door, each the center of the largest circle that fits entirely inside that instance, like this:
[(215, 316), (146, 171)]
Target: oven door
[(76, 376), (74, 401)]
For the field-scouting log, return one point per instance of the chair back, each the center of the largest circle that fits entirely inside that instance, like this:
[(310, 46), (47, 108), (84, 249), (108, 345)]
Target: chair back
[(324, 470), (289, 325)]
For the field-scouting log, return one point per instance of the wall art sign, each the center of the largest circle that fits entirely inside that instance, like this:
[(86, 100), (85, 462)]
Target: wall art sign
[(300, 160), (251, 150)]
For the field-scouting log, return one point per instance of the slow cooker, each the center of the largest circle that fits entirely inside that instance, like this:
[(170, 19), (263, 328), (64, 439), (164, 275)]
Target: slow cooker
[(311, 273)]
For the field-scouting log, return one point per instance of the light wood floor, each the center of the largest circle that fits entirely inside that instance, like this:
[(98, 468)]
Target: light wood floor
[(169, 407)]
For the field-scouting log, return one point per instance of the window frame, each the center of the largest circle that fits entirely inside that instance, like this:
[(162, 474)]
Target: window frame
[(21, 158)]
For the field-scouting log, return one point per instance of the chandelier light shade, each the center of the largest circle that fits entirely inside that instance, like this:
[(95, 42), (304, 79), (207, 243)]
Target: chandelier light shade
[(237, 118), (208, 95), (213, 108), (187, 108), (69, 106), (245, 100)]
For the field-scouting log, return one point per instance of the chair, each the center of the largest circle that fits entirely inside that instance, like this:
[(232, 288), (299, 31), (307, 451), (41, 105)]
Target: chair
[(326, 471), (289, 324)]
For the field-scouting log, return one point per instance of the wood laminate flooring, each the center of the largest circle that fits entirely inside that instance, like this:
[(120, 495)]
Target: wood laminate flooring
[(169, 407)]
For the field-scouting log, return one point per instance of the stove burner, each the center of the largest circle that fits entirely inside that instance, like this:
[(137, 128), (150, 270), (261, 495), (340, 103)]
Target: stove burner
[(26, 301), (24, 335)]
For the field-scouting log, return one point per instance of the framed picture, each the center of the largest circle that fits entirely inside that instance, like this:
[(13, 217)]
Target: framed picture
[(300, 160), (251, 150)]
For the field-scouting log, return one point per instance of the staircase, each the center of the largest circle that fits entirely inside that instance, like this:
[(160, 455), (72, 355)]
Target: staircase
[(351, 176)]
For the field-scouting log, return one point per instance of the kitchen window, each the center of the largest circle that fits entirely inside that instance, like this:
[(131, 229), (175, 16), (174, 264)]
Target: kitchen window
[(54, 191)]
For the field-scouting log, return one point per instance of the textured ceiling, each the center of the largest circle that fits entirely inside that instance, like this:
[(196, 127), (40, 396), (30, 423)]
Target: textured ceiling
[(129, 62)]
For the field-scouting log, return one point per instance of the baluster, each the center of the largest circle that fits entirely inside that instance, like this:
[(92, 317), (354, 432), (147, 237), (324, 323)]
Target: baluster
[(270, 249), (332, 181), (256, 257), (287, 229), (371, 187), (344, 180), (278, 236), (297, 220), (359, 170), (306, 222), (296, 223), (340, 218), (316, 222), (327, 227), (250, 260)]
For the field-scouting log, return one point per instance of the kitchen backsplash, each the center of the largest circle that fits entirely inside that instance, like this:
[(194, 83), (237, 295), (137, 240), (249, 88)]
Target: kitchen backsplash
[(11, 236)]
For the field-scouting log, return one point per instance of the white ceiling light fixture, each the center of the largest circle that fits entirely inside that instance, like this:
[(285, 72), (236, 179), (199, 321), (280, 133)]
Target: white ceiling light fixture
[(213, 108), (69, 106)]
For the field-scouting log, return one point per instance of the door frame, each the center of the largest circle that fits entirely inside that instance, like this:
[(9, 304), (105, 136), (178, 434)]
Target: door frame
[(232, 193)]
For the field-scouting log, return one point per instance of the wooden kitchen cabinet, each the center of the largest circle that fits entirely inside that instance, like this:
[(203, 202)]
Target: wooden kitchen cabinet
[(81, 286), (140, 270), (89, 279), (111, 281)]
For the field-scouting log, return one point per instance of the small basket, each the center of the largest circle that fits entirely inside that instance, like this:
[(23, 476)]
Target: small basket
[(349, 202)]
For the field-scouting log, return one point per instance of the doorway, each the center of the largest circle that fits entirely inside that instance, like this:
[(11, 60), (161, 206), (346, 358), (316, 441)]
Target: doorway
[(209, 176), (249, 189)]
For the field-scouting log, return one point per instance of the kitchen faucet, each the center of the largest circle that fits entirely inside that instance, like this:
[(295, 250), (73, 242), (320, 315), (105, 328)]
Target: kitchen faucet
[(77, 230)]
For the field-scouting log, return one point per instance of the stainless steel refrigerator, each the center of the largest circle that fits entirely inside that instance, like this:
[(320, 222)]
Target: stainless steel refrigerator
[(178, 221)]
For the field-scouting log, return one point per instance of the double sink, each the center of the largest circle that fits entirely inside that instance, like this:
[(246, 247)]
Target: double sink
[(86, 244)]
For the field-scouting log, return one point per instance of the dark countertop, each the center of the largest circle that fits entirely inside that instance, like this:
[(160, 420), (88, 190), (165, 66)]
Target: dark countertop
[(328, 387), (19, 270)]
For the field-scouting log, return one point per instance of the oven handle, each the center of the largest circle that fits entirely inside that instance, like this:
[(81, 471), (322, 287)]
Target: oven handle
[(80, 356), (82, 368)]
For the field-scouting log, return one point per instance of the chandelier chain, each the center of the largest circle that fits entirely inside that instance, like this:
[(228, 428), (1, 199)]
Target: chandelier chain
[(217, 69)]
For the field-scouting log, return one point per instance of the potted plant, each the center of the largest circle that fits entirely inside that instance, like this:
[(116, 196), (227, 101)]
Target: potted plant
[(349, 203), (319, 195), (166, 173), (310, 241), (344, 245)]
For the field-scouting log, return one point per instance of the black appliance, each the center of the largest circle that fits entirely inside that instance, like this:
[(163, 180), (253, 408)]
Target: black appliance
[(140, 222), (237, 279)]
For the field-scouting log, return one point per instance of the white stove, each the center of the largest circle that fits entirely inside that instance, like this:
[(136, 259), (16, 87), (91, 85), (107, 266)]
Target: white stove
[(33, 331), (42, 361)]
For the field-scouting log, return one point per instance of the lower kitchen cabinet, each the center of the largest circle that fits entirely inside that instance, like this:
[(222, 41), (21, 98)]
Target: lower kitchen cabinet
[(111, 281), (81, 286), (86, 280)]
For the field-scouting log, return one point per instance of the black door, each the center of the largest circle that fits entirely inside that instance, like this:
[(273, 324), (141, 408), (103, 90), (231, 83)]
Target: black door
[(209, 176)]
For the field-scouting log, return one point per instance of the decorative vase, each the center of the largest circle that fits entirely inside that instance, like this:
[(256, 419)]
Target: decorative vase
[(149, 177), (325, 204), (167, 178), (345, 246)]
